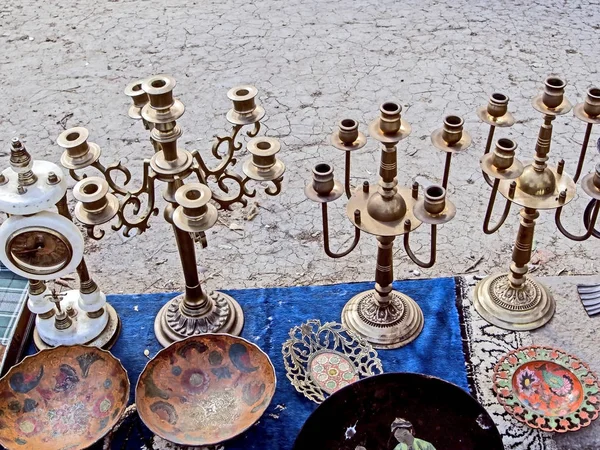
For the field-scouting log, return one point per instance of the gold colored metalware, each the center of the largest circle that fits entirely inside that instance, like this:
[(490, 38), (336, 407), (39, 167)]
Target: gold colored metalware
[(514, 300), (384, 317), (190, 206)]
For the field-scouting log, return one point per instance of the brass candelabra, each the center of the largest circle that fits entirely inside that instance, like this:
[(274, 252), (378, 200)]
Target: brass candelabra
[(189, 209), (514, 300), (385, 317)]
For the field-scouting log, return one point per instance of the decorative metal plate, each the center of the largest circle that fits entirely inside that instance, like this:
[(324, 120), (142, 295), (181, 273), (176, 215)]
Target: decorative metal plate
[(320, 359), (205, 389), (364, 414), (547, 388), (65, 398)]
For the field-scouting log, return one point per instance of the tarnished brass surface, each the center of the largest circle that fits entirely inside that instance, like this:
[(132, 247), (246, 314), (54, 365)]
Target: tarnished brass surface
[(540, 190), (205, 389), (496, 112), (515, 301), (384, 317), (451, 137), (189, 208), (67, 397)]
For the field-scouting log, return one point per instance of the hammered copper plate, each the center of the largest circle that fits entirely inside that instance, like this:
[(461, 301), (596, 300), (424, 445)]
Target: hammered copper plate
[(547, 388), (205, 389), (64, 398), (361, 414)]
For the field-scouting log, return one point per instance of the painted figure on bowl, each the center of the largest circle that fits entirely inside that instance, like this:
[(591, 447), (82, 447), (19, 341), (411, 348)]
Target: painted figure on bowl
[(404, 433)]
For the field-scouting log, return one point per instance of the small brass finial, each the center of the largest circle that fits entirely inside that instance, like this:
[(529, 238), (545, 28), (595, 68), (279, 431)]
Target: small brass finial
[(21, 163)]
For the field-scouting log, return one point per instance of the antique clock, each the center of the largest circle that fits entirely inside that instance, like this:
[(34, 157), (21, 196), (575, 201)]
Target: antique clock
[(39, 241)]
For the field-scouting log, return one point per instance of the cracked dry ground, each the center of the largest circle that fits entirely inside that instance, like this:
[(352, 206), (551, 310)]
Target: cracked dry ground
[(314, 62)]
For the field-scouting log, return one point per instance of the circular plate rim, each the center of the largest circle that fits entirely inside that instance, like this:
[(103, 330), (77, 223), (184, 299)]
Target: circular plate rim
[(83, 346), (502, 400), (397, 374), (190, 338)]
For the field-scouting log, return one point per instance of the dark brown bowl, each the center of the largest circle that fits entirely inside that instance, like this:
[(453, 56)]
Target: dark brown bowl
[(362, 413), (205, 389), (64, 398)]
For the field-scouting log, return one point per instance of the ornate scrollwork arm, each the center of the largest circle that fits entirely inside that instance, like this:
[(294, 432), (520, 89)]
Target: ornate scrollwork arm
[(91, 232), (107, 172), (131, 199), (591, 222), (276, 188), (254, 132), (410, 253), (225, 202), (326, 236), (490, 209)]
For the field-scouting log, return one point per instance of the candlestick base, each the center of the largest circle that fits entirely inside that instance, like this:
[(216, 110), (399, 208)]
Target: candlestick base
[(526, 308), (106, 339), (384, 326), (224, 316)]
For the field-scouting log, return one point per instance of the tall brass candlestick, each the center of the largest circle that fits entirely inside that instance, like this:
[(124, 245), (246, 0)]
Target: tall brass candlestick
[(189, 210), (514, 300), (385, 317)]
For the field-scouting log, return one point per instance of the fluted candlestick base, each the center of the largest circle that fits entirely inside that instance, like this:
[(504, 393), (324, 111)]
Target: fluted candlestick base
[(384, 326), (525, 308), (172, 324)]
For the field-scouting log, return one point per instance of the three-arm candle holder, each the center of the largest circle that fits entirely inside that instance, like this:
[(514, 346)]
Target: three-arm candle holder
[(189, 209), (514, 300), (384, 317)]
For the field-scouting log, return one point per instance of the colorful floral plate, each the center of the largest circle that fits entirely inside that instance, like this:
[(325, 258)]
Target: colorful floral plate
[(62, 398), (320, 359), (547, 388), (205, 389)]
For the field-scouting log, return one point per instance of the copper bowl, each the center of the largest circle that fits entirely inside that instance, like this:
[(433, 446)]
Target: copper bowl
[(205, 389), (62, 398)]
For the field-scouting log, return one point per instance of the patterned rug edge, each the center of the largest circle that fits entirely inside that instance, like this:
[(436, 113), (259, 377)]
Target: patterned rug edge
[(483, 345)]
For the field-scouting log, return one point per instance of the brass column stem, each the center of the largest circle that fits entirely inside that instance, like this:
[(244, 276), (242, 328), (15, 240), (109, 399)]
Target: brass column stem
[(542, 146), (522, 250), (86, 284), (388, 171), (195, 301), (384, 271)]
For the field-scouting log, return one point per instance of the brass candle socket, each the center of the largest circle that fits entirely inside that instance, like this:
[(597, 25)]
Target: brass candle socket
[(95, 205), (138, 97), (245, 111), (194, 214), (514, 300), (263, 165), (79, 153), (189, 203), (384, 317)]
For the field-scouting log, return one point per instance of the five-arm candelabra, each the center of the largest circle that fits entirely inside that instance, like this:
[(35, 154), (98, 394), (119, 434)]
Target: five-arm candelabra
[(383, 316), (516, 301), (189, 207)]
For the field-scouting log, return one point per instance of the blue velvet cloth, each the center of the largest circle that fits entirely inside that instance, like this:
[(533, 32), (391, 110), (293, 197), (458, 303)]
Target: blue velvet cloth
[(269, 315)]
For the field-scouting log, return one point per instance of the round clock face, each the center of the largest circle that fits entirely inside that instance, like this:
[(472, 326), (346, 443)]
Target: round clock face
[(39, 250), (43, 246)]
